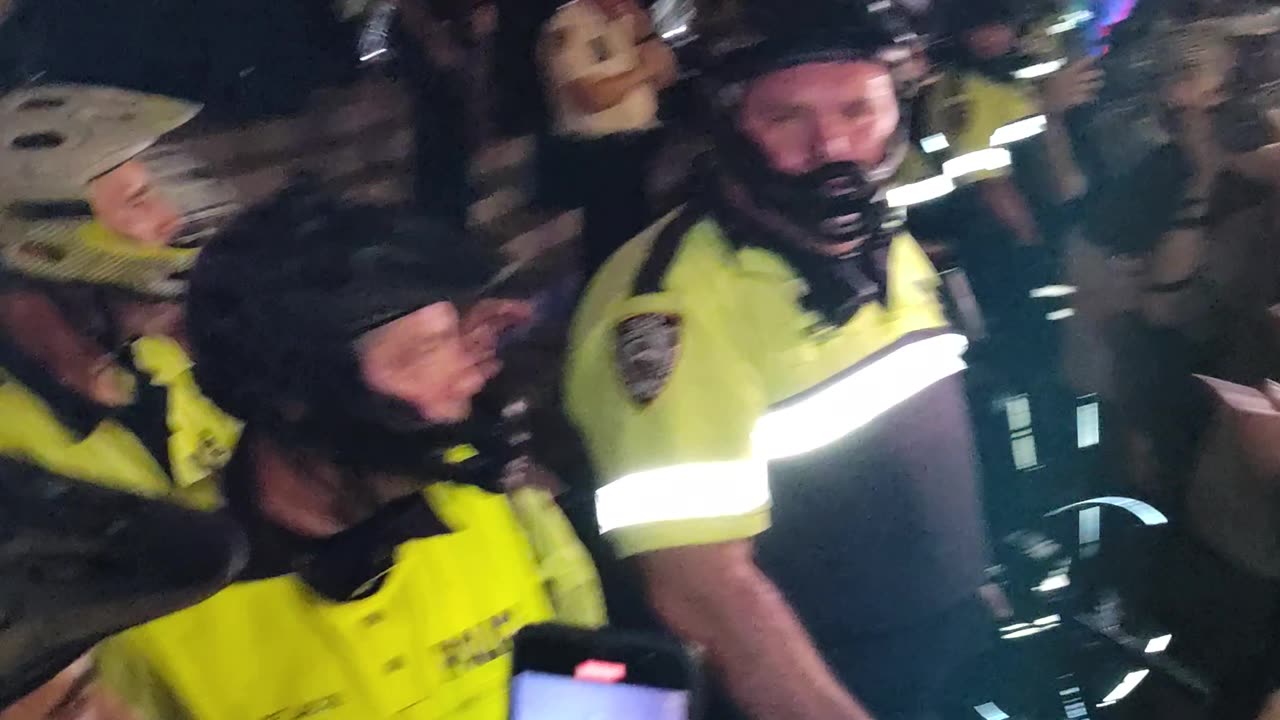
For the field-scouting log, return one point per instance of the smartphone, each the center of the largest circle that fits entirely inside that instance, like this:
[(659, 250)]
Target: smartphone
[(564, 673)]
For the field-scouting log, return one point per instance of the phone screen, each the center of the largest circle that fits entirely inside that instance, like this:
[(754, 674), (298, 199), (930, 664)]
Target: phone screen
[(545, 696), (570, 674)]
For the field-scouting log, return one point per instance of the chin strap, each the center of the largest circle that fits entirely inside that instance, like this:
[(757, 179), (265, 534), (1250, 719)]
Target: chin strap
[(837, 287)]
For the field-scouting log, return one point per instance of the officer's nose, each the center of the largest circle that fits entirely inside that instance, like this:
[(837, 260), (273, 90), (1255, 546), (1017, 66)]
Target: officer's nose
[(834, 141)]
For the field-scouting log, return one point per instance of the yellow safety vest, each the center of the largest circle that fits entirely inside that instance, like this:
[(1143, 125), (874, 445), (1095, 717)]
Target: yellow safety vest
[(104, 451), (970, 124), (753, 377), (433, 642)]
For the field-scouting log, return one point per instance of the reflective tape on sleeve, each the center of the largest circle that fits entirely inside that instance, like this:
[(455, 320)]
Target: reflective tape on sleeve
[(855, 400), (919, 192), (987, 159), (683, 492), (1018, 130)]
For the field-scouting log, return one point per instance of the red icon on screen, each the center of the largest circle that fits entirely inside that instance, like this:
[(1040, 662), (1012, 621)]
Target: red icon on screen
[(601, 671)]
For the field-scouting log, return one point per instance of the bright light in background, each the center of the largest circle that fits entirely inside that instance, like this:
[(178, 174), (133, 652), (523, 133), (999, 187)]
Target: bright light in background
[(934, 143), (1039, 69), (1062, 314), (1028, 632), (1159, 644), (1090, 522), (1052, 291), (675, 31), (1048, 620), (1088, 425), (990, 711), (1053, 582), (1126, 686), (1017, 410), (1070, 21), (1139, 509)]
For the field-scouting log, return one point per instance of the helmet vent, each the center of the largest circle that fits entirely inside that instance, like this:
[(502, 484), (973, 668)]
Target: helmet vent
[(38, 141)]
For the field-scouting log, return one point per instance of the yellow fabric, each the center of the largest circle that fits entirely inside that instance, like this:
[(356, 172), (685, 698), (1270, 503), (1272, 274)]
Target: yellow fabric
[(200, 442), (110, 455), (746, 343), (914, 168), (201, 436), (967, 108), (570, 578), (433, 642)]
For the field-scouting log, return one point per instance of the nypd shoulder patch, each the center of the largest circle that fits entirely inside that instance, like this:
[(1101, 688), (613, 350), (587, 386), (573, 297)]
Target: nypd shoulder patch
[(646, 350)]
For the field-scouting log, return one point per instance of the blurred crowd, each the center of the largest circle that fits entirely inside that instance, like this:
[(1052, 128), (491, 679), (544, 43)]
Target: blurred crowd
[(910, 360)]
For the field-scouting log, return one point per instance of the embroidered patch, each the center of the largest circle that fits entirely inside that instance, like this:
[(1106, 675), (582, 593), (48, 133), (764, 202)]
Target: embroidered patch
[(646, 352)]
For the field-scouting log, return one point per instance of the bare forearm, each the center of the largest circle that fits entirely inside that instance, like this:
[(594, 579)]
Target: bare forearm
[(662, 64), (756, 644), (1006, 202), (771, 668), (601, 94), (1069, 182)]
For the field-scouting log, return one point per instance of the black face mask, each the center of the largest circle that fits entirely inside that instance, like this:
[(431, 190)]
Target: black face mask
[(835, 203), (394, 439)]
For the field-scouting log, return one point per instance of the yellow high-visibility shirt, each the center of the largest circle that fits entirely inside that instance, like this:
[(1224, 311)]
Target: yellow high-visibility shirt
[(693, 364), (48, 425), (434, 641)]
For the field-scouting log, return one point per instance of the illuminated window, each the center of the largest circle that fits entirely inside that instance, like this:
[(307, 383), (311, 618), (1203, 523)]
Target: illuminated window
[(1088, 425)]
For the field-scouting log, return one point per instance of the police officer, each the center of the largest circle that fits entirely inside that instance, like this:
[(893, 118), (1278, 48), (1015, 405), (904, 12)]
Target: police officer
[(968, 122), (98, 227), (388, 569), (121, 560), (773, 399)]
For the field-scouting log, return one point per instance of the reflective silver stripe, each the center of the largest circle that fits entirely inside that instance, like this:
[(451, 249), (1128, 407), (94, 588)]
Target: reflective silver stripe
[(684, 492), (1018, 130), (734, 488), (934, 143), (853, 401), (919, 192), (961, 167), (1039, 69), (955, 171), (1145, 512)]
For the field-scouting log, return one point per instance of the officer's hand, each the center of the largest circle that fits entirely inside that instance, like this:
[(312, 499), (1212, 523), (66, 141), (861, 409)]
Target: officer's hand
[(641, 23), (1272, 709), (1072, 86), (486, 322), (40, 330)]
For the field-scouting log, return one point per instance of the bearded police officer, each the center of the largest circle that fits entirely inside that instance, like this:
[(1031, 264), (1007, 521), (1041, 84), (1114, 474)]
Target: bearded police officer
[(774, 401)]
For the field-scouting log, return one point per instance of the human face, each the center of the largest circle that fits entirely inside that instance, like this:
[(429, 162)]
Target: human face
[(426, 360), (73, 694), (988, 42), (127, 201), (616, 8), (812, 115)]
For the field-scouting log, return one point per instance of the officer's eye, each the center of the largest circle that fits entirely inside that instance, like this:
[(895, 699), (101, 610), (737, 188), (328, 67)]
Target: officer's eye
[(856, 109), (784, 116)]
